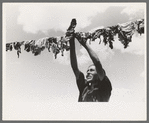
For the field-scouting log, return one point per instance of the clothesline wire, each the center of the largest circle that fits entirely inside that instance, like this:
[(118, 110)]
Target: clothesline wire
[(57, 44)]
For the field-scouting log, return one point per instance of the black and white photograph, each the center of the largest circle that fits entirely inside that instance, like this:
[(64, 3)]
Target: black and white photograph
[(74, 61)]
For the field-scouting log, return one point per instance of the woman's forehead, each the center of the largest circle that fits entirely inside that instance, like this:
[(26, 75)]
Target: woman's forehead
[(91, 67)]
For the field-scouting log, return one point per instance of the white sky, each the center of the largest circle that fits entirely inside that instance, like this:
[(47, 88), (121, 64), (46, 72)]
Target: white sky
[(44, 88)]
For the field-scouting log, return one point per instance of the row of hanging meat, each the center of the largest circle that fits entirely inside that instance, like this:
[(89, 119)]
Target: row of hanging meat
[(36, 46), (59, 44), (124, 32)]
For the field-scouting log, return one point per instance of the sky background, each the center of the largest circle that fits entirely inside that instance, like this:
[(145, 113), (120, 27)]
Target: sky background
[(44, 88)]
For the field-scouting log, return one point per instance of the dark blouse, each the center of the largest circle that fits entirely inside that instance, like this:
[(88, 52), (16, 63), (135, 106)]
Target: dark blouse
[(99, 93)]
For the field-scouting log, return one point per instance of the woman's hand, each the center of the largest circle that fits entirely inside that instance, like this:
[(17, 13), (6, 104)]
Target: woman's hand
[(83, 41)]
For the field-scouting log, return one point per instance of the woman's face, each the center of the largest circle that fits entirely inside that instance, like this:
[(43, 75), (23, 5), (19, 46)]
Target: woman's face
[(91, 74)]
